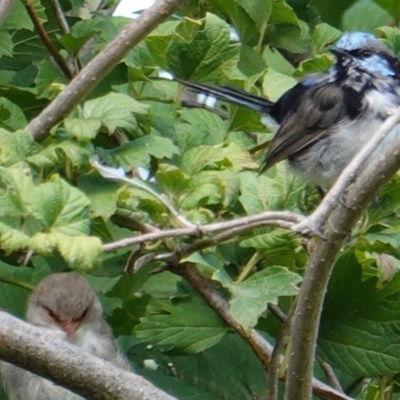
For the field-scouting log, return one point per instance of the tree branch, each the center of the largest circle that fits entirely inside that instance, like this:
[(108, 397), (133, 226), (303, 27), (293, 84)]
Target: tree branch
[(311, 296), (97, 68), (285, 219), (30, 348)]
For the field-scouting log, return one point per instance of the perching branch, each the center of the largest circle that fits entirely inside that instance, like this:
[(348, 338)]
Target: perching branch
[(310, 299), (284, 219), (30, 348), (98, 68)]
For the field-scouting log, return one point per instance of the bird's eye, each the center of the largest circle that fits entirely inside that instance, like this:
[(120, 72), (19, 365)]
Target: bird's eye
[(82, 316), (366, 53), (52, 314)]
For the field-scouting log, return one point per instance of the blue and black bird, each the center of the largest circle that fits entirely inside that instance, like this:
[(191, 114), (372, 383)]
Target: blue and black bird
[(326, 117)]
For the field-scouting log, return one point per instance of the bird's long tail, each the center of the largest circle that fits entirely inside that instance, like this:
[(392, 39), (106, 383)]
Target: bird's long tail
[(232, 95)]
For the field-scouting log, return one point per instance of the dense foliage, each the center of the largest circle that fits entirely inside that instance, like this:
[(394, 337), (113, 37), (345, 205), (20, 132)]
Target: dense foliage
[(188, 164)]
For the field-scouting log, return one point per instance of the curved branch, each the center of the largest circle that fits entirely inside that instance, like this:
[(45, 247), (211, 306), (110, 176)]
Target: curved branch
[(37, 351), (98, 68)]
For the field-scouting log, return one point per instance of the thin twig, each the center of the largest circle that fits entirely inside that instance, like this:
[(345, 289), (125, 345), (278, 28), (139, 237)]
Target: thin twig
[(46, 40), (99, 67), (283, 219), (123, 218), (59, 13), (281, 341), (330, 375)]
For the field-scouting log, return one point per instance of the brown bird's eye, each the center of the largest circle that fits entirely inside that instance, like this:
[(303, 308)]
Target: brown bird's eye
[(52, 314), (82, 316)]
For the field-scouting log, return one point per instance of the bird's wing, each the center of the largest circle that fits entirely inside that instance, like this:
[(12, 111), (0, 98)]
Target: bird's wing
[(307, 114)]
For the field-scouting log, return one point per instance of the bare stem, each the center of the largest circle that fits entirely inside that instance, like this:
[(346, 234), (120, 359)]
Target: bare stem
[(283, 219), (46, 40)]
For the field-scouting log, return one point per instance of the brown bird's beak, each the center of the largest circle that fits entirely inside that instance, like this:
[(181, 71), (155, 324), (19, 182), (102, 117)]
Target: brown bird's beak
[(70, 327)]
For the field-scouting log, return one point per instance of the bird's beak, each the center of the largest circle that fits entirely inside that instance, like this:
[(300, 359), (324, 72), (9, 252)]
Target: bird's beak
[(70, 327), (340, 53)]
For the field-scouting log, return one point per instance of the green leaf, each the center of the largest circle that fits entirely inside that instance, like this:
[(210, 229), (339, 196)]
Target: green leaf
[(194, 49), (12, 239), (82, 129), (17, 18), (392, 38), (392, 6), (172, 180), (259, 11), (6, 45), (185, 324), (57, 153), (277, 189), (364, 15), (318, 63), (80, 252), (389, 236), (323, 36), (114, 110), (272, 240), (137, 153), (275, 84), (199, 127), (358, 331), (64, 208), (101, 193), (228, 371), (48, 80), (16, 147), (282, 13), (202, 157), (249, 299)]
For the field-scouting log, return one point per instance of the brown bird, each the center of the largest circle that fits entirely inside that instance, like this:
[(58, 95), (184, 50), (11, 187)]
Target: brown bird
[(66, 306)]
